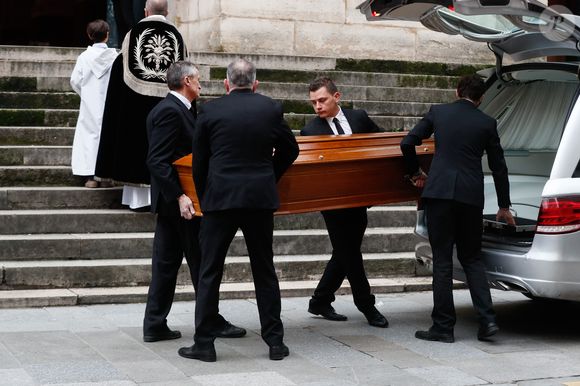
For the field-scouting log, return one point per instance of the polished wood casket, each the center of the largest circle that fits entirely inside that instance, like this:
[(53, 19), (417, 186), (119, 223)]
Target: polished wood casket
[(338, 171)]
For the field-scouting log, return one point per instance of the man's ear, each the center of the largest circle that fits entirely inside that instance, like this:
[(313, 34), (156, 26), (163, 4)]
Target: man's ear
[(255, 85), (227, 86), (337, 96)]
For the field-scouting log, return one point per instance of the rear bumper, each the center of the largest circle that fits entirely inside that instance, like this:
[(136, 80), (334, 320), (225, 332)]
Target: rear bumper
[(531, 272)]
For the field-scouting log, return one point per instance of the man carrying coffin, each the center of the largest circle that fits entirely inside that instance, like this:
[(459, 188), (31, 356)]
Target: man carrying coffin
[(170, 127), (346, 227)]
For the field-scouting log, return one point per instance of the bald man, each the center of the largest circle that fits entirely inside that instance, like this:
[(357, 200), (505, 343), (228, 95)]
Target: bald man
[(137, 84)]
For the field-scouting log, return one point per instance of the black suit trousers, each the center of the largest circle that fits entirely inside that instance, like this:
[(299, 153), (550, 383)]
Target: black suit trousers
[(346, 229), (174, 238), (452, 223), (217, 232)]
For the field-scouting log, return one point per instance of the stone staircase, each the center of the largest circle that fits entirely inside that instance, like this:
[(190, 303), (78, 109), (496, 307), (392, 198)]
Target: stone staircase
[(62, 244)]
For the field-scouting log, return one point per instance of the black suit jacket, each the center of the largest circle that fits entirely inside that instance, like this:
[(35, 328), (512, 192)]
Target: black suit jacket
[(462, 133), (358, 120), (170, 128), (241, 148)]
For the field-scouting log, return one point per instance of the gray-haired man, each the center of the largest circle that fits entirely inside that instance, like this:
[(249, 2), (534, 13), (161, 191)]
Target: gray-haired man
[(243, 139), (170, 128)]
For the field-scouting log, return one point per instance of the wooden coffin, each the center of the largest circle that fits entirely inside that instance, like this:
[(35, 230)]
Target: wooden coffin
[(334, 172)]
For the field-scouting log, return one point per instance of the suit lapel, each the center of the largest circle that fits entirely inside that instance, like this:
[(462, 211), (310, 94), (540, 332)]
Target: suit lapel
[(184, 109), (324, 126), (351, 121)]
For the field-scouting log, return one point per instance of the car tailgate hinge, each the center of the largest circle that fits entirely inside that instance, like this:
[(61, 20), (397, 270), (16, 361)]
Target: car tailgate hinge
[(498, 65)]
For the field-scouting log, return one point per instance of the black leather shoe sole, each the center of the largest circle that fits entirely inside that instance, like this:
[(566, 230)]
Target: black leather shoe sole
[(328, 315), (434, 336), (159, 337), (208, 355), (279, 352)]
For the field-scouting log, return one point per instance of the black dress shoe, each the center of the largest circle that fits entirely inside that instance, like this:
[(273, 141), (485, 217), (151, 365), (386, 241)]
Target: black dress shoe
[(375, 318), (445, 337), (230, 331), (327, 312), (487, 330), (165, 335), (205, 353), (278, 352)]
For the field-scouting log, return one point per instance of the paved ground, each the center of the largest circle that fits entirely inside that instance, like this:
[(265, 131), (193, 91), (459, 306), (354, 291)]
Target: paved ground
[(539, 345)]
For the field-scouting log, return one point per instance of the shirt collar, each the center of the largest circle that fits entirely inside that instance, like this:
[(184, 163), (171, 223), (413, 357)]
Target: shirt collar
[(340, 116), (183, 99), (154, 18), (100, 45)]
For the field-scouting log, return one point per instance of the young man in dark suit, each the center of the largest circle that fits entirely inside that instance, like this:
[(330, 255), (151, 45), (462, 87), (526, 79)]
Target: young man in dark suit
[(170, 128), (453, 197), (241, 147), (346, 227)]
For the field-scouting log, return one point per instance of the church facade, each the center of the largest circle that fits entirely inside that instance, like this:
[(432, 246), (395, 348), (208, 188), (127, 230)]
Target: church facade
[(333, 28)]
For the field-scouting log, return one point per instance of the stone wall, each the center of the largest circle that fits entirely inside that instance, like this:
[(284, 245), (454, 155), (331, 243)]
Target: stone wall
[(333, 28)]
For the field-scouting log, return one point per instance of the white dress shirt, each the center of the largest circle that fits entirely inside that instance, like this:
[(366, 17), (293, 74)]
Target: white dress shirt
[(183, 99), (343, 123)]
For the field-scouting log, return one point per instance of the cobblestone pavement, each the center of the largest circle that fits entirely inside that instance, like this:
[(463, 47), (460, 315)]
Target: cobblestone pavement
[(539, 344)]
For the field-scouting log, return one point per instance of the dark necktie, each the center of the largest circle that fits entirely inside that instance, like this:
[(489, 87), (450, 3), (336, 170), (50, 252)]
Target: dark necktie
[(193, 110), (339, 129)]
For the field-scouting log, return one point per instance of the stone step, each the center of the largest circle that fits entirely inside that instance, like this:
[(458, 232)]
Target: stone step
[(371, 78), (39, 52), (38, 67), (281, 91), (388, 123), (389, 87), (30, 198), (299, 91), (137, 272), (114, 220), (112, 295), (39, 83), (38, 136), (295, 62), (39, 100), (35, 155), (39, 117), (63, 136), (138, 245), (38, 176), (67, 118), (305, 63)]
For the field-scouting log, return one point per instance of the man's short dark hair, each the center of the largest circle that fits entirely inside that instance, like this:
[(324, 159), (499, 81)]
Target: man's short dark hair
[(471, 86), (97, 30), (241, 73), (323, 81), (177, 73)]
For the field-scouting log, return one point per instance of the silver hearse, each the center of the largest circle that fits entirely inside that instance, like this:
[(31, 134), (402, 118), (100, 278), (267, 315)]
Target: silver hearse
[(537, 106)]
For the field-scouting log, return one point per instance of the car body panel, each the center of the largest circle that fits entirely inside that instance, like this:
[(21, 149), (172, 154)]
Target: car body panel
[(537, 264)]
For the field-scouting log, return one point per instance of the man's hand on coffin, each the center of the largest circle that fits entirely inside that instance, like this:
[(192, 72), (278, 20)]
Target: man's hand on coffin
[(418, 179), (186, 207), (505, 215)]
